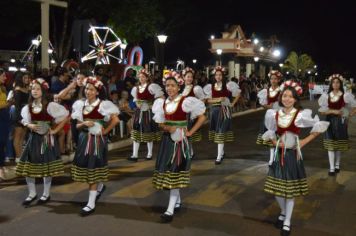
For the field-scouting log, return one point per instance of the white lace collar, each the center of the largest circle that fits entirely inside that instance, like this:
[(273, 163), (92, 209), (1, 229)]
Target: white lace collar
[(335, 97), (284, 120)]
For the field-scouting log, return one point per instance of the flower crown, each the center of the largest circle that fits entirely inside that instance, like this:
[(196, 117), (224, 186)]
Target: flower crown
[(145, 72), (41, 82), (296, 86), (94, 81), (187, 70), (275, 73), (336, 76), (173, 74), (218, 68)]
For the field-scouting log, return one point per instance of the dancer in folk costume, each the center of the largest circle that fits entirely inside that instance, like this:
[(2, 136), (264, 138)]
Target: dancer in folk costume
[(335, 105), (41, 156), (286, 176), (172, 169), (268, 98), (144, 128), (190, 89), (218, 95), (95, 117)]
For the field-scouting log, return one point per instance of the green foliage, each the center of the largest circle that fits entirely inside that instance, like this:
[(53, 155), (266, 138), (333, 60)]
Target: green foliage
[(298, 65)]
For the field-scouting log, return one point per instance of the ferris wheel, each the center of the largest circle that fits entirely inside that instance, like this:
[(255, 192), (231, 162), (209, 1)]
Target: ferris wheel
[(105, 46)]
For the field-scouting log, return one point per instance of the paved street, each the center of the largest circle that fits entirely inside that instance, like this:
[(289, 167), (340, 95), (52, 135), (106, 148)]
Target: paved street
[(222, 200)]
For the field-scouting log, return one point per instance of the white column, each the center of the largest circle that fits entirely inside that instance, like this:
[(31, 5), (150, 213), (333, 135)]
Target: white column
[(237, 70), (231, 69), (44, 34), (248, 69), (262, 71)]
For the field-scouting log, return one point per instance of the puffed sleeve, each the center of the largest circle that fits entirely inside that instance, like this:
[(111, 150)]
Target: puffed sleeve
[(134, 93), (25, 114), (233, 88), (271, 125), (157, 110), (77, 110), (193, 106), (304, 119), (323, 103), (349, 99), (57, 111), (199, 93), (207, 91), (262, 97), (155, 90), (107, 108)]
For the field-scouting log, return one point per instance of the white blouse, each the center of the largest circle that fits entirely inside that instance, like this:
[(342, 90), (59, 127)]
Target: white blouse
[(231, 86), (153, 89), (57, 111), (304, 119), (349, 99), (106, 108), (190, 105), (198, 91)]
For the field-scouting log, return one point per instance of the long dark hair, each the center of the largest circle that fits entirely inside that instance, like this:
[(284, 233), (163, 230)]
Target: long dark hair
[(19, 79), (223, 81), (331, 85), (295, 96)]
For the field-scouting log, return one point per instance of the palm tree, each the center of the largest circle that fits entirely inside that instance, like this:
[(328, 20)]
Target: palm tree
[(298, 65)]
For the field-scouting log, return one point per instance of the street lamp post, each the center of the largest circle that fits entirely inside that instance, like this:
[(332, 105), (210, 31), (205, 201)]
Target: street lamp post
[(219, 52), (162, 38)]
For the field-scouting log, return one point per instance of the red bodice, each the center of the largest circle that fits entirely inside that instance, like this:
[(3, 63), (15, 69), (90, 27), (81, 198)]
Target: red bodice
[(94, 114), (270, 99), (222, 93), (145, 95), (41, 116), (339, 104), (178, 114), (291, 128)]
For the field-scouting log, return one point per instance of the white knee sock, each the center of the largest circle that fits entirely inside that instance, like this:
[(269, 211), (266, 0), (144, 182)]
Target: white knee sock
[(47, 181), (271, 156), (91, 201), (191, 150), (289, 211), (331, 160), (337, 159), (220, 151), (136, 146), (173, 197), (31, 185), (100, 187), (282, 204), (149, 148), (178, 199)]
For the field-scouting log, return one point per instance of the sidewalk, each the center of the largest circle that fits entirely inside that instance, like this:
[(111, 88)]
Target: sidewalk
[(67, 159)]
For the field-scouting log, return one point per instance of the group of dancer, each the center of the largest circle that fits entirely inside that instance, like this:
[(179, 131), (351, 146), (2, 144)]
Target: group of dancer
[(174, 117)]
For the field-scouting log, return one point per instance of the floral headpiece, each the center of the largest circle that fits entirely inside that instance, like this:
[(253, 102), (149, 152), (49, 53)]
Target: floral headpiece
[(296, 86), (44, 85), (275, 73), (218, 68), (175, 75), (187, 70), (94, 81), (331, 77), (145, 72)]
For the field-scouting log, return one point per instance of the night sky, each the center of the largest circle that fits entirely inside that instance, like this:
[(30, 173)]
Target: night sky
[(322, 29)]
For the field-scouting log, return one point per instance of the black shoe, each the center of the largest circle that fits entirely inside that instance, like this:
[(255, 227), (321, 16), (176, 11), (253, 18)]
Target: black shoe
[(99, 193), (165, 218), (193, 156), (331, 173), (218, 162), (41, 202), (177, 207), (86, 213), (26, 203), (279, 223), (285, 232), (337, 170), (134, 159), (148, 158)]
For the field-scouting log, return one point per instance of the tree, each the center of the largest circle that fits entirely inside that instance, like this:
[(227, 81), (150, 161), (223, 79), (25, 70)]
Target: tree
[(298, 65)]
